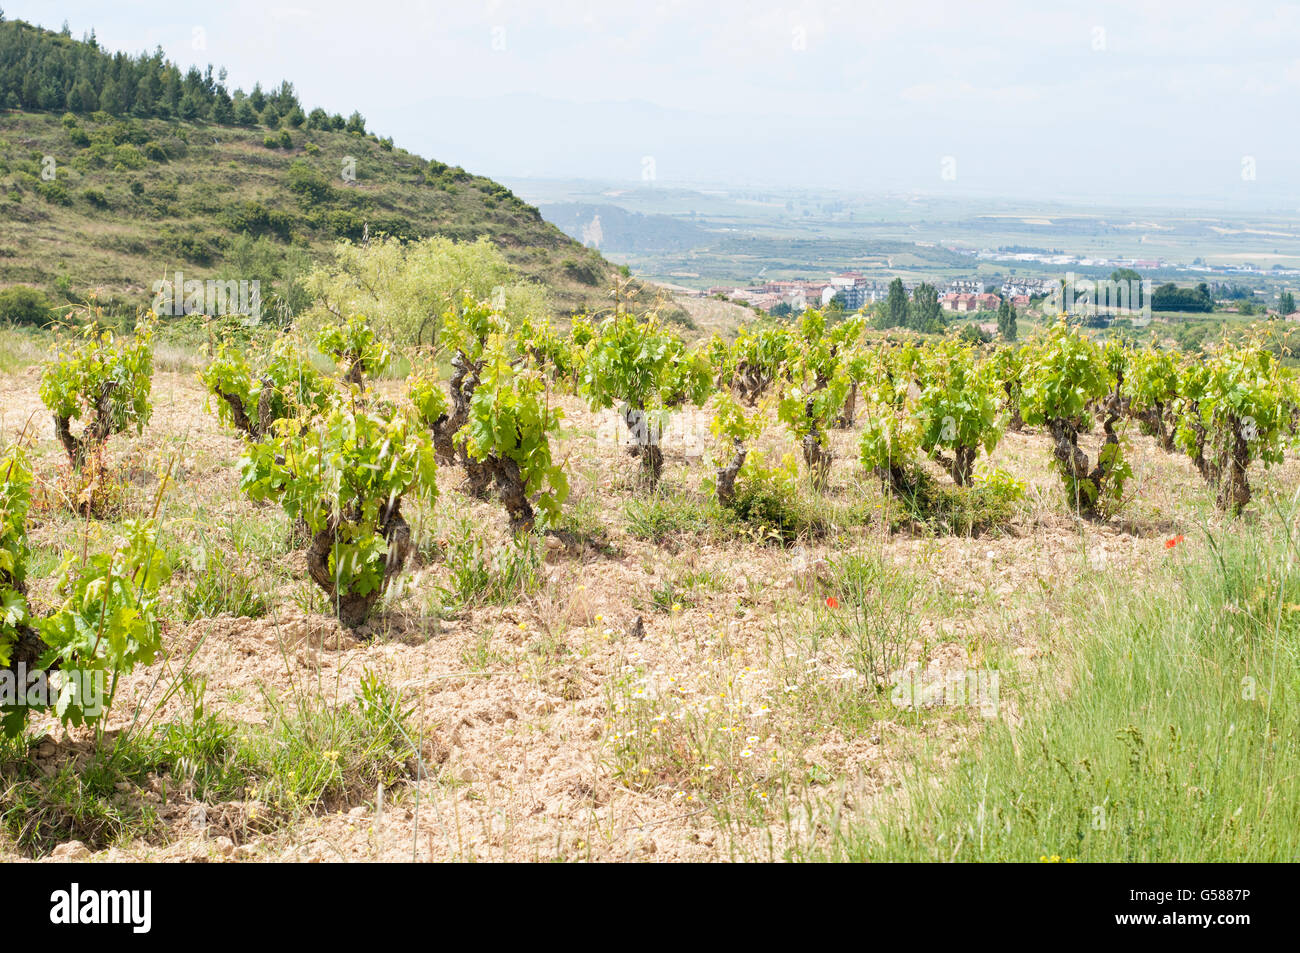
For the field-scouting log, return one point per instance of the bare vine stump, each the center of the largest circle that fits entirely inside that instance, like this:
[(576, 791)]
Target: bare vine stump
[(819, 459), (726, 485), (845, 420)]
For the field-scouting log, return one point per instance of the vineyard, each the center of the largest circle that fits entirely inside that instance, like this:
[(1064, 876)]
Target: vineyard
[(598, 592)]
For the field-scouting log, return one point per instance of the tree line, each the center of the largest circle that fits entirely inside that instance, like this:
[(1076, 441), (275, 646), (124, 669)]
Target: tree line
[(41, 70)]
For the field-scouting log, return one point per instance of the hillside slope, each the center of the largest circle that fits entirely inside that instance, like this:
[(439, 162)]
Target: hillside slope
[(142, 198), (92, 200)]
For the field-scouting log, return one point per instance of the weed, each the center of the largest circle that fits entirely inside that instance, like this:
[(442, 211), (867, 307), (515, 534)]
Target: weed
[(219, 588)]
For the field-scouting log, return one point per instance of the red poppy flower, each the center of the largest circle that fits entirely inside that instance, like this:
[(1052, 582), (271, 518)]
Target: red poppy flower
[(1171, 543), (832, 602)]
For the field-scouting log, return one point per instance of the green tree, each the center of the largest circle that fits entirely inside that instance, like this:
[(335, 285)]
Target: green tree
[(406, 288), (244, 113), (896, 305), (925, 314), (1129, 275), (1007, 320), (23, 305)]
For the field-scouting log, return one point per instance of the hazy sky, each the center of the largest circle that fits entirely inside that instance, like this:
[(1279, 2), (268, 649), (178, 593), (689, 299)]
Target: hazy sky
[(1159, 102)]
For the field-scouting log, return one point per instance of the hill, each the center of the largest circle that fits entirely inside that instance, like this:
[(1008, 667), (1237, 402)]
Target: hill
[(620, 230), (116, 171)]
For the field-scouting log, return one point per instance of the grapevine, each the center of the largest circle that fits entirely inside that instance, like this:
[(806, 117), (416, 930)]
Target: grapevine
[(347, 478), (101, 380), (1064, 374)]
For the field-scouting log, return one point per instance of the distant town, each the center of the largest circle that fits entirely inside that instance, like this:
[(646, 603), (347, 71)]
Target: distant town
[(853, 290)]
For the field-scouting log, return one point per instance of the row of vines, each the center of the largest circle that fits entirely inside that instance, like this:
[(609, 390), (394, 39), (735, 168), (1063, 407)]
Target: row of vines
[(349, 461)]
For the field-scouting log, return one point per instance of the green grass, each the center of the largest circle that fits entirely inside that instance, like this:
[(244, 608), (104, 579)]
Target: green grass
[(684, 589), (762, 512), (309, 756), (20, 347), (482, 575), (666, 513), (946, 509), (221, 588), (1174, 735), (876, 615)]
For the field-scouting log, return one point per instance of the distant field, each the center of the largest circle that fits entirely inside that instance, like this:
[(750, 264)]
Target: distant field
[(803, 234)]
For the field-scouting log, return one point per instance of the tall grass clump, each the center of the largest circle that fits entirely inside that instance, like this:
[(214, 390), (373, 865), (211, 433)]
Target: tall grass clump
[(662, 515), (1172, 735), (482, 574), (219, 587)]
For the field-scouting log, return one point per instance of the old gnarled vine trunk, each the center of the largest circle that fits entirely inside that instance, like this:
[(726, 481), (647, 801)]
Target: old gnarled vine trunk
[(750, 382), (94, 435), (845, 420), (645, 445), (1089, 483), (963, 465), (726, 483), (1233, 461), (254, 428), (816, 454), (353, 608), (1017, 422), (464, 381)]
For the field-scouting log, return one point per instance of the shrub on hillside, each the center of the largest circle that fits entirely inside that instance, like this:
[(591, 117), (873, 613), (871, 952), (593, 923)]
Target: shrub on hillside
[(23, 305)]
